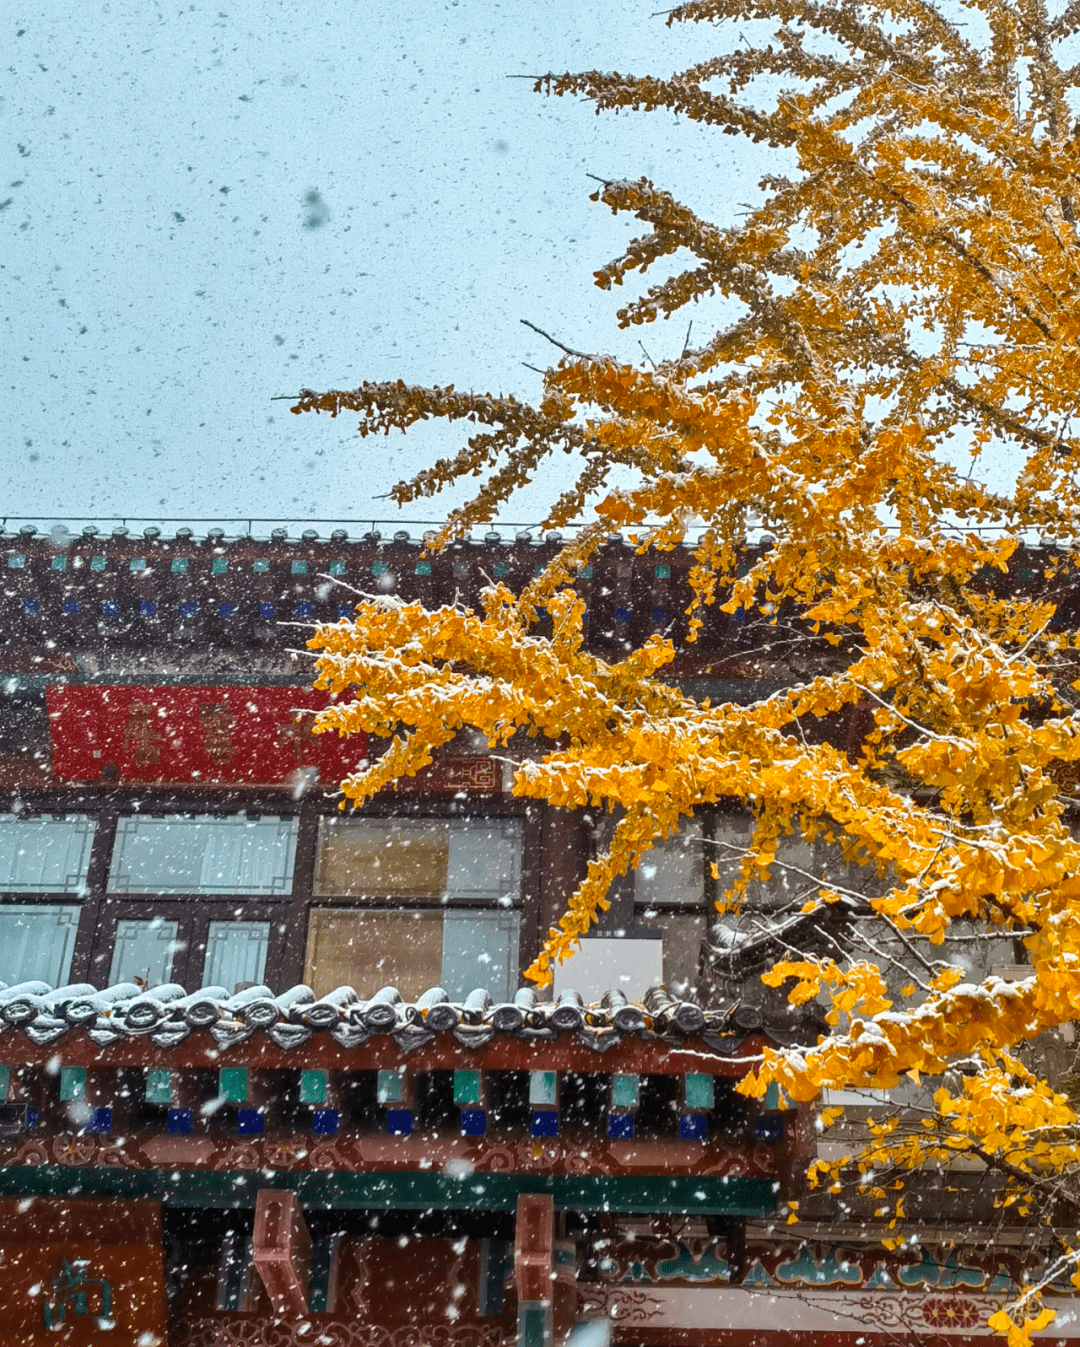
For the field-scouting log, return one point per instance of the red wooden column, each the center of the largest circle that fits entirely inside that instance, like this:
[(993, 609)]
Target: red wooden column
[(281, 1251), (534, 1265)]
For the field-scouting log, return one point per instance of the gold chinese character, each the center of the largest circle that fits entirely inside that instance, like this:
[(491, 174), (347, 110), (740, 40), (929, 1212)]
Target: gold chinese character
[(218, 723), (297, 735), (140, 735)]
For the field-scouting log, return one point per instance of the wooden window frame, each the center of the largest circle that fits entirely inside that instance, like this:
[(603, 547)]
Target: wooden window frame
[(288, 915), (193, 917)]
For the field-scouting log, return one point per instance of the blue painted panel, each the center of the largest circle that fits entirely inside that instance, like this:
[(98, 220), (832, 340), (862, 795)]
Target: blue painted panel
[(621, 1127), (179, 1122), (399, 1121), (545, 1123), (325, 1121)]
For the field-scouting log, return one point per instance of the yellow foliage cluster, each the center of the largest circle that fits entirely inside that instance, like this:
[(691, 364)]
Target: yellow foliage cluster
[(905, 299)]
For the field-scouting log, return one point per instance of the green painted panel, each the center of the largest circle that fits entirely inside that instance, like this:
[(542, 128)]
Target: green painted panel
[(543, 1088), (159, 1085), (640, 1194), (466, 1087), (772, 1097), (699, 1091), (313, 1087), (233, 1084), (72, 1083), (390, 1088), (5, 1082), (624, 1091)]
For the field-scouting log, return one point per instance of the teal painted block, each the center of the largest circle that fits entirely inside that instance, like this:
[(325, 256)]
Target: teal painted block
[(178, 566), (159, 1085), (313, 1087), (422, 568), (97, 563), (5, 1083), (698, 1091), (260, 565), (58, 564), (663, 572), (466, 1087), (72, 1083), (624, 1091), (390, 1087), (219, 565), (298, 568), (543, 1089), (233, 1084), (772, 1097), (534, 1325), (337, 568)]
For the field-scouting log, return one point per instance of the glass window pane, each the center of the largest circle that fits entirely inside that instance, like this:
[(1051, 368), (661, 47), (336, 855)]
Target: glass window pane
[(186, 854), (369, 950), (683, 937), (45, 855), (485, 859), (732, 833), (796, 862), (235, 953), (480, 949), (36, 943), (144, 951), (674, 870), (382, 858)]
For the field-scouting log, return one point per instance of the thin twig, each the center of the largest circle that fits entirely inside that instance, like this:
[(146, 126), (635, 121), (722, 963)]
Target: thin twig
[(581, 355)]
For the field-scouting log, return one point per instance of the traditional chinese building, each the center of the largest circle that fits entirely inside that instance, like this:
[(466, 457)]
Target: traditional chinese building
[(267, 1072)]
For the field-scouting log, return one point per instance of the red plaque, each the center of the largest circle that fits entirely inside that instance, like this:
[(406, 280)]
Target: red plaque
[(193, 735)]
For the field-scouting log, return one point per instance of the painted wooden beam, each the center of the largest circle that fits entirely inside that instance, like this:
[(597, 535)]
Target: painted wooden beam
[(85, 1098), (396, 1092), (699, 1095), (623, 1106), (409, 1190), (200, 1051), (471, 1097), (544, 1102)]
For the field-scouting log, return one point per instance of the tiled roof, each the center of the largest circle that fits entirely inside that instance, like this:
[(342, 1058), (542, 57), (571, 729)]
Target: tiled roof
[(168, 1014)]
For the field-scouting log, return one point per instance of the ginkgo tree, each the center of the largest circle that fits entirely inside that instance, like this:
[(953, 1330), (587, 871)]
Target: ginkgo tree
[(893, 396)]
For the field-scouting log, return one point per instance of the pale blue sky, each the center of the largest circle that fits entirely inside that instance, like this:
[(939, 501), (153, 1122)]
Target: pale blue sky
[(205, 205)]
